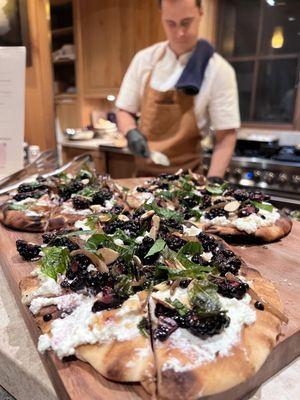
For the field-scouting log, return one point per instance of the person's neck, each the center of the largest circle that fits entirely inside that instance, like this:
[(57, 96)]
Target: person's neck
[(180, 53)]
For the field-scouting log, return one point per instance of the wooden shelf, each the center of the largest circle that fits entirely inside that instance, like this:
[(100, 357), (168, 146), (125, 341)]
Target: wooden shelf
[(62, 96), (63, 62), (62, 31)]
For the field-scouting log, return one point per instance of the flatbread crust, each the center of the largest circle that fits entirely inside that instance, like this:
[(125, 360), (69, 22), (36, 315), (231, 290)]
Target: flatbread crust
[(21, 221), (281, 228), (257, 341)]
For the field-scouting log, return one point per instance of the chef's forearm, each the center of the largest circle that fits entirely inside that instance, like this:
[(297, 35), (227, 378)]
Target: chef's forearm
[(224, 147), (126, 121)]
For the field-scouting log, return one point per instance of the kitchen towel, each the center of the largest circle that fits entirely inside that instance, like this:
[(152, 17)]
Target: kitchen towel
[(192, 76)]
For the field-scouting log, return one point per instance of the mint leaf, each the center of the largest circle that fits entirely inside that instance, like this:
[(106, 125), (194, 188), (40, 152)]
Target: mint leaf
[(180, 307), (164, 212), (216, 188), (144, 327), (263, 206), (204, 298), (54, 261), (156, 248)]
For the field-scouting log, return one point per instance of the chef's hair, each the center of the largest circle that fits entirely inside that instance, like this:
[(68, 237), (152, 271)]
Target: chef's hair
[(198, 3)]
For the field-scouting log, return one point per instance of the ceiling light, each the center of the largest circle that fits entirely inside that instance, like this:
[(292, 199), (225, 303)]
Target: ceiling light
[(277, 38), (292, 19), (271, 2), (111, 97)]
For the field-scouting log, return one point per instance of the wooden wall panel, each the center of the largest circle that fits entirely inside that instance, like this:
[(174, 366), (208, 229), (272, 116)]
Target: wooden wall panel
[(112, 31), (39, 106), (208, 25)]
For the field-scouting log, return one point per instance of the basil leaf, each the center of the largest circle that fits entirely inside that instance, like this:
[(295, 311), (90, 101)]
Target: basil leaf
[(263, 206), (196, 271), (216, 188), (204, 298), (191, 248), (164, 212), (54, 261), (179, 307), (156, 248)]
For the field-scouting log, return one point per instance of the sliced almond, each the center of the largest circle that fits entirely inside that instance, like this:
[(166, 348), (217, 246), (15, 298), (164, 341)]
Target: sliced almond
[(109, 255), (96, 207), (147, 215), (155, 227), (163, 302), (185, 237), (104, 217), (161, 286), (123, 218), (232, 206), (99, 264), (179, 172), (134, 201), (137, 261)]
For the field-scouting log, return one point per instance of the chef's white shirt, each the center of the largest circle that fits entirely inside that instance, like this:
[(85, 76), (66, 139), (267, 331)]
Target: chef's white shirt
[(216, 105)]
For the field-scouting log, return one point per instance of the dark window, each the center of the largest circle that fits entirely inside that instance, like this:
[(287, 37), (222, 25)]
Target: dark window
[(261, 39)]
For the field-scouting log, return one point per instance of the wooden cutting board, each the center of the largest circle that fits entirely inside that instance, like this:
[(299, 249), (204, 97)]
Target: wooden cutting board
[(73, 379)]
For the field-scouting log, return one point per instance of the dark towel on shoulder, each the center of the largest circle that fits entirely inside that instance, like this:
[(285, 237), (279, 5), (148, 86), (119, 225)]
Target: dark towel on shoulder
[(192, 76)]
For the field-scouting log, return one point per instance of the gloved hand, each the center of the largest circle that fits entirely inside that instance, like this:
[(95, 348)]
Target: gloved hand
[(137, 143), (215, 179)]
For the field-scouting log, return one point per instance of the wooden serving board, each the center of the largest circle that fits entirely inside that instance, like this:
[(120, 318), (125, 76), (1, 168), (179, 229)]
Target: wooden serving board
[(73, 379)]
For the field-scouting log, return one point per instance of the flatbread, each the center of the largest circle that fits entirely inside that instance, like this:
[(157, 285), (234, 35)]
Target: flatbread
[(280, 229), (257, 341)]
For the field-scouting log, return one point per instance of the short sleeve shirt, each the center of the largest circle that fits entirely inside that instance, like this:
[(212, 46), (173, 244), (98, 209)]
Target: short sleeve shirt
[(216, 105)]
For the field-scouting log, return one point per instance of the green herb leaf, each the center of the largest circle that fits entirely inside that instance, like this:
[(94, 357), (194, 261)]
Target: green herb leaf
[(91, 221), (262, 206), (216, 188), (18, 207), (123, 288), (180, 307), (203, 296), (164, 212), (157, 247), (191, 248), (143, 327), (196, 271), (54, 261), (88, 192)]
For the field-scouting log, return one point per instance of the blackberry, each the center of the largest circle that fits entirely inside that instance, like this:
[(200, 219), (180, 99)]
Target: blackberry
[(97, 282), (25, 187), (184, 283), (166, 326), (80, 203), (174, 242), (78, 283), (247, 210), (241, 195), (101, 305), (111, 227), (230, 289), (258, 196), (186, 213), (75, 186), (226, 262), (141, 189), (259, 305), (102, 196), (216, 212), (64, 242), (208, 243), (64, 193), (28, 251), (169, 177), (206, 201), (190, 201), (164, 186), (48, 236), (132, 228), (35, 195), (78, 265), (65, 283), (197, 259), (170, 224), (138, 212), (116, 210), (143, 249), (204, 326), (47, 317)]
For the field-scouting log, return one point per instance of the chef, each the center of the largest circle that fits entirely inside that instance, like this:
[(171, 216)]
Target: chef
[(178, 88)]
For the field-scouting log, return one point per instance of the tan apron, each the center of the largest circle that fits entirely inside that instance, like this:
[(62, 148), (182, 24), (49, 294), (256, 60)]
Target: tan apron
[(168, 121)]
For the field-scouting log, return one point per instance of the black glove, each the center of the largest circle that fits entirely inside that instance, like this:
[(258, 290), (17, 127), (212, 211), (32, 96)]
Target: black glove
[(215, 179), (137, 143)]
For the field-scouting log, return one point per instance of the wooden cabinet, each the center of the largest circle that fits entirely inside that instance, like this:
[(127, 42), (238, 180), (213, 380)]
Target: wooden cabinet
[(68, 153), (112, 31)]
